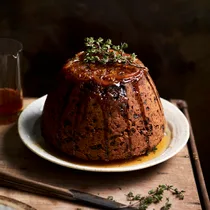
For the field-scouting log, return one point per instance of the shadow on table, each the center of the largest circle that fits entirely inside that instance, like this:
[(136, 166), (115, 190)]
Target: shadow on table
[(25, 163)]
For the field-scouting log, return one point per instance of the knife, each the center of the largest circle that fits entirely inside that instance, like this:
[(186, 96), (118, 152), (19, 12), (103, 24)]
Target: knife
[(99, 201), (57, 192)]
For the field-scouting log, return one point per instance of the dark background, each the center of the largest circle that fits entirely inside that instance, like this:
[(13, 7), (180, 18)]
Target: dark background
[(171, 37)]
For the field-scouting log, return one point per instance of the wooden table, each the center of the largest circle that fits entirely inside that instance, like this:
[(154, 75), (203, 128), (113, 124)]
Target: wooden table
[(16, 159)]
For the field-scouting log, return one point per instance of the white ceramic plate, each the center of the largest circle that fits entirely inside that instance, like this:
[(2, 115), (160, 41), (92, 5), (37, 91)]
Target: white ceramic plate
[(29, 130)]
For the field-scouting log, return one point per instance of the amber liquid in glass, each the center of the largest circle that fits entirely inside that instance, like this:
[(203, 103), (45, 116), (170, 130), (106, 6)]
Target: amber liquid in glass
[(11, 103)]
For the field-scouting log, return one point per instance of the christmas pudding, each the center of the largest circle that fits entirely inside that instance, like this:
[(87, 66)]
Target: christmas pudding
[(105, 107)]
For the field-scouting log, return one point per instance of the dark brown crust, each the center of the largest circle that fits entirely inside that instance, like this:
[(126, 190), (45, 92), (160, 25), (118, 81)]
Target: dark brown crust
[(93, 120)]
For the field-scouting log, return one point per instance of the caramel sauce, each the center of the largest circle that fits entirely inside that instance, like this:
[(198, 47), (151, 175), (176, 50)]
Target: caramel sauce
[(161, 147), (105, 75), (11, 103)]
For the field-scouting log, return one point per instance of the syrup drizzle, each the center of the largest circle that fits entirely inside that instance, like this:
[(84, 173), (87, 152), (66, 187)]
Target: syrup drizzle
[(79, 116), (152, 85), (105, 110), (128, 123), (141, 107), (62, 110), (81, 111), (85, 104)]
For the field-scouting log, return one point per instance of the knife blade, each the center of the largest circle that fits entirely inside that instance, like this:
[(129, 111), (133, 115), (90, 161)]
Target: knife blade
[(99, 201)]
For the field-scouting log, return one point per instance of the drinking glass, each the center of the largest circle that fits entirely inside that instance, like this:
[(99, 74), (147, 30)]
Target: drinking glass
[(11, 98)]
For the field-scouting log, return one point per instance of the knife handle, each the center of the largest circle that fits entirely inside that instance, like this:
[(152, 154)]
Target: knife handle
[(33, 186), (56, 192)]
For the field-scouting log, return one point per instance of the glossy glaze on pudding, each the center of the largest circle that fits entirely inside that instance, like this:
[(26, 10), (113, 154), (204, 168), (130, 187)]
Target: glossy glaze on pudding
[(103, 112)]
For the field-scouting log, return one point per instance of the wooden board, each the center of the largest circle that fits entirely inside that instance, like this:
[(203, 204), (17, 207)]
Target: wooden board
[(17, 160)]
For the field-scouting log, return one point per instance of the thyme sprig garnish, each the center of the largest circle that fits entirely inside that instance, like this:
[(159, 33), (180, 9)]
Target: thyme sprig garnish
[(104, 52), (155, 196)]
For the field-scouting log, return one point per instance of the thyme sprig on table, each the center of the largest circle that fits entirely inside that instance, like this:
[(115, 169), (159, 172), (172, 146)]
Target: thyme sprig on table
[(101, 51), (155, 196)]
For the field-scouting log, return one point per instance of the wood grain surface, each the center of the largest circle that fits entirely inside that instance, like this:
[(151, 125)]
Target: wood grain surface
[(6, 202), (17, 160)]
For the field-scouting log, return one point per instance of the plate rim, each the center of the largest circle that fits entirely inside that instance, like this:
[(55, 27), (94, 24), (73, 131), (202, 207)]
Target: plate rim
[(68, 164)]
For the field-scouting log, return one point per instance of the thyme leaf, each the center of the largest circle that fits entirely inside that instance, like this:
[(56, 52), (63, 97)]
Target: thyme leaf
[(103, 51)]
